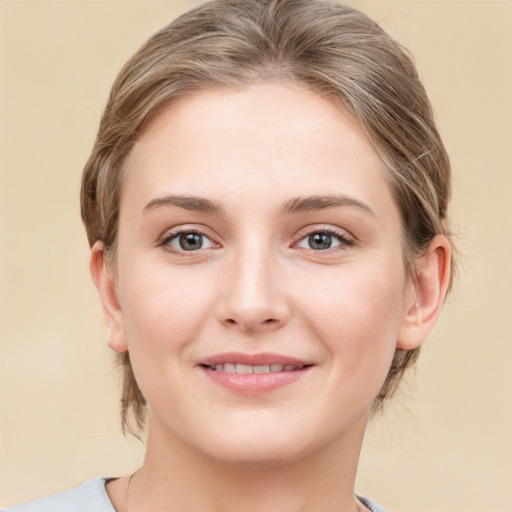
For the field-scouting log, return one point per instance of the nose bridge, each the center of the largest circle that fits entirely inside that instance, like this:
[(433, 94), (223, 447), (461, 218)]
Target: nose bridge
[(253, 296)]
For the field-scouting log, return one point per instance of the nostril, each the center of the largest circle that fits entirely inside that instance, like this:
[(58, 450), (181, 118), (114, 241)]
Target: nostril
[(251, 322)]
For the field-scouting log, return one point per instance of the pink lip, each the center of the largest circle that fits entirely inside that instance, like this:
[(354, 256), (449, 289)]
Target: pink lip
[(253, 359), (253, 383)]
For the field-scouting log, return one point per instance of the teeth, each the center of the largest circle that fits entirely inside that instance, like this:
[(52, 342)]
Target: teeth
[(246, 368), (262, 369), (229, 367)]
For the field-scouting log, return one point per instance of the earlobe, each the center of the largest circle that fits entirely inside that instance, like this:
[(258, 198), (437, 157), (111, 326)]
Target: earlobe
[(426, 295), (105, 284)]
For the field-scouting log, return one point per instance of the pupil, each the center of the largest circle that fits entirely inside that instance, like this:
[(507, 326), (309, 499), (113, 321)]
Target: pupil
[(320, 241), (191, 241)]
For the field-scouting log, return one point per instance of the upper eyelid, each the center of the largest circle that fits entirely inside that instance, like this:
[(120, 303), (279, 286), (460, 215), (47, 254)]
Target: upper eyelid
[(319, 228), (179, 231), (186, 228)]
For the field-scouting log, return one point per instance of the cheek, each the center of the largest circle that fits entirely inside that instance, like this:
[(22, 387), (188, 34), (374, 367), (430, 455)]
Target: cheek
[(357, 315), (163, 309), (163, 313)]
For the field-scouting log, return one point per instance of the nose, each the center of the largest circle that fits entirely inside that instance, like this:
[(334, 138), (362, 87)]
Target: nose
[(253, 297)]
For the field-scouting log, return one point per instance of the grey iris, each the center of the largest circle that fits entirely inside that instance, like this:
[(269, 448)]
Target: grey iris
[(191, 241), (320, 241)]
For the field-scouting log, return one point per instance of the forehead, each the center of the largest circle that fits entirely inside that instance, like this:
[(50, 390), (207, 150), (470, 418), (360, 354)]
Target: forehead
[(268, 140)]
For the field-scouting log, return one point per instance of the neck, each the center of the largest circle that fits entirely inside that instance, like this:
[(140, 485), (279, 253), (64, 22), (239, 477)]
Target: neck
[(176, 477)]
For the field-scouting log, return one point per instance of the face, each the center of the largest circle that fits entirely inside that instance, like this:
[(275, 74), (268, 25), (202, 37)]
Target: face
[(260, 286)]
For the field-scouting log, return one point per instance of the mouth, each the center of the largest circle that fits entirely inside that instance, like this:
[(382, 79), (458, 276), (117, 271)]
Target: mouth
[(254, 373), (247, 368)]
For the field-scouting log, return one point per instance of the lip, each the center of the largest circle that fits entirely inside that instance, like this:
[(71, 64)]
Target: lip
[(261, 358), (254, 383)]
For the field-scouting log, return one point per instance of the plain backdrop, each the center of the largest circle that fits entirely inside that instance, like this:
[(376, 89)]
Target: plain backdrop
[(445, 442)]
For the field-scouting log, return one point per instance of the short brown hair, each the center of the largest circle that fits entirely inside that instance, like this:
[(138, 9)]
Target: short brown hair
[(332, 49)]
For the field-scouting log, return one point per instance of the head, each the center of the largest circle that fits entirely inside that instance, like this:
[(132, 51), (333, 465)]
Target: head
[(332, 50)]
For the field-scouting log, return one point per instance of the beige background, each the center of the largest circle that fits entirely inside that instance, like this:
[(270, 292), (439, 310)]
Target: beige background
[(444, 445)]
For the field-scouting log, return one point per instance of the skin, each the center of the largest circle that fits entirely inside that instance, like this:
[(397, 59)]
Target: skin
[(256, 285)]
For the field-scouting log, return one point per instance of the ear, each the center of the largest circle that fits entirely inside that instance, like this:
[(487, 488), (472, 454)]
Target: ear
[(105, 284), (426, 293)]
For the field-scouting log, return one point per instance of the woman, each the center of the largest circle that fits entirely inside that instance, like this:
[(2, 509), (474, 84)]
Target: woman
[(265, 204)]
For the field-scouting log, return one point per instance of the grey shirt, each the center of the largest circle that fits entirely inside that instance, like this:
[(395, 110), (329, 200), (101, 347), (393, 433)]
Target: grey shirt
[(92, 497)]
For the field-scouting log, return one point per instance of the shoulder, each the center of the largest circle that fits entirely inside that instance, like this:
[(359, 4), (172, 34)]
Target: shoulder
[(88, 497), (370, 505)]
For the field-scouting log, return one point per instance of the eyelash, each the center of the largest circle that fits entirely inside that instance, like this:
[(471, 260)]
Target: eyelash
[(175, 235), (343, 239)]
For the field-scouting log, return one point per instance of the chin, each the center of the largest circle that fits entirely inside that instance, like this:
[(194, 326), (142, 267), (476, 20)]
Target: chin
[(262, 445), (256, 454)]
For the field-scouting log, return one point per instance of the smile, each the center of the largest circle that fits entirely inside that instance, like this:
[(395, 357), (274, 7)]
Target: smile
[(247, 368), (254, 374)]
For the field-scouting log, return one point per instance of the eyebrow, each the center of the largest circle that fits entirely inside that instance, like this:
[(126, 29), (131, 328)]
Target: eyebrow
[(320, 202), (192, 203), (294, 205)]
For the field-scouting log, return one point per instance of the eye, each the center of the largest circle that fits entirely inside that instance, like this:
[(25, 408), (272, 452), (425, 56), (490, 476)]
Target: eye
[(188, 241), (324, 240)]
